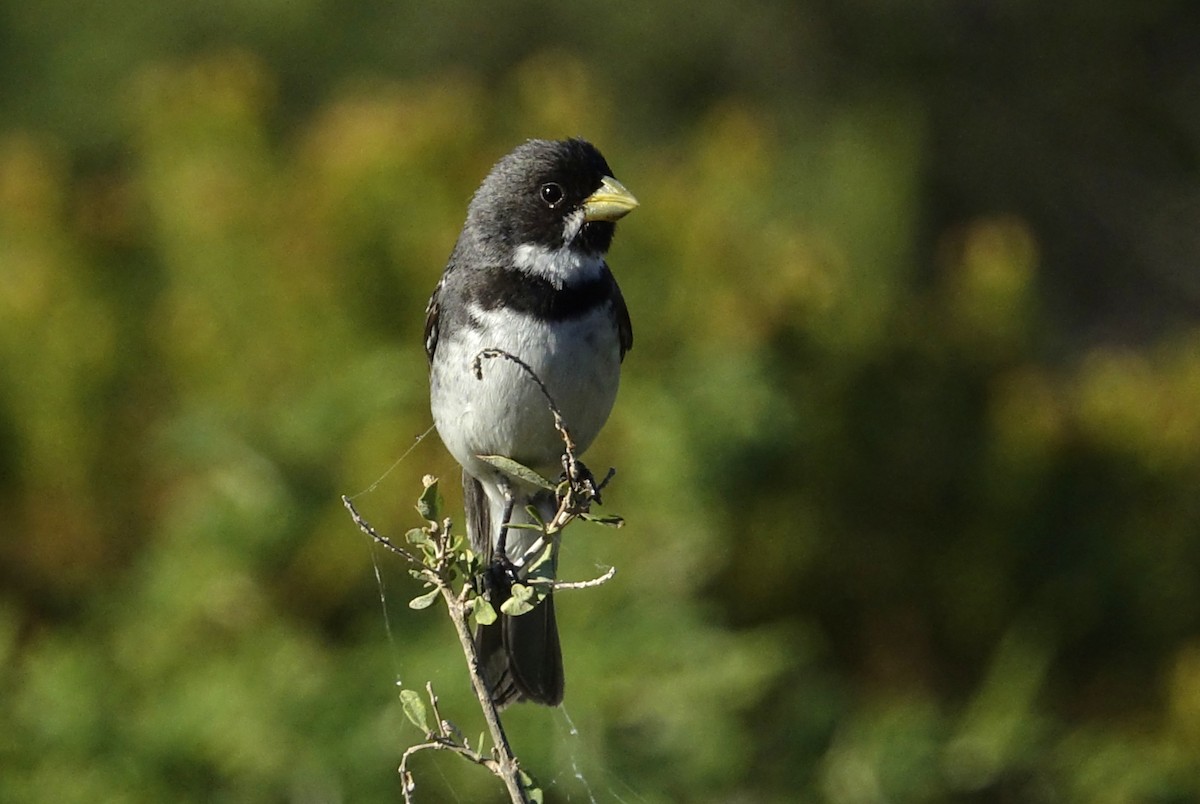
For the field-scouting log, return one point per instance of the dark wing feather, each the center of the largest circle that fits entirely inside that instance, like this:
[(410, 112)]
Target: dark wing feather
[(432, 315), (621, 315)]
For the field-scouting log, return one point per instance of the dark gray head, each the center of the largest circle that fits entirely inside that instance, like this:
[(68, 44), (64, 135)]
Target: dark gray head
[(549, 194)]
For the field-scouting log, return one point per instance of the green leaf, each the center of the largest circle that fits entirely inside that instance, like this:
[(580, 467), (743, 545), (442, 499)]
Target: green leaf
[(611, 520), (523, 600), (536, 516), (423, 601), (543, 561), (470, 563), (482, 611), (534, 794), (513, 469), (417, 537), (414, 709), (430, 503)]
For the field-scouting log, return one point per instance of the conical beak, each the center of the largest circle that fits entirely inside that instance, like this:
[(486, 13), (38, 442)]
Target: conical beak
[(611, 202)]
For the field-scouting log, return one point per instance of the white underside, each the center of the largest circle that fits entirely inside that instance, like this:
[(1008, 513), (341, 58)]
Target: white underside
[(505, 413)]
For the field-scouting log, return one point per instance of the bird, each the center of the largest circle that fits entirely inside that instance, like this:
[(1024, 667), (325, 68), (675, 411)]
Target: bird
[(527, 276)]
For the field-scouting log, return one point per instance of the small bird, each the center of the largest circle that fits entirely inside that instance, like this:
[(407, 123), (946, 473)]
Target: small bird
[(527, 276)]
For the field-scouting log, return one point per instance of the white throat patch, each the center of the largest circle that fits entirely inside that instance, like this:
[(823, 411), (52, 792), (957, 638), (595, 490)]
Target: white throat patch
[(560, 265)]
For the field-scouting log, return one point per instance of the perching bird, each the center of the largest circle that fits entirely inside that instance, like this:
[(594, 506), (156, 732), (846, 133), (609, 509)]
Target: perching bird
[(527, 276)]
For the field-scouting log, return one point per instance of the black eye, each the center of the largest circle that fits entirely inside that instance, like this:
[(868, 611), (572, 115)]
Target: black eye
[(552, 194)]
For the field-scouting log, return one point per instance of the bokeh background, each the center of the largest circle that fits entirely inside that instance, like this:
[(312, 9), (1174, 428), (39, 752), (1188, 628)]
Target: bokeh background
[(908, 443)]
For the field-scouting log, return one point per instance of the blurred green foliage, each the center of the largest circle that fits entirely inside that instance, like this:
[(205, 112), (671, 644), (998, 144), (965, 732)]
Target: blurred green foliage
[(908, 446)]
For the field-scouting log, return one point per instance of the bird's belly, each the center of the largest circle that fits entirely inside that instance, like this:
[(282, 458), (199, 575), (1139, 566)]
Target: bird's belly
[(505, 412)]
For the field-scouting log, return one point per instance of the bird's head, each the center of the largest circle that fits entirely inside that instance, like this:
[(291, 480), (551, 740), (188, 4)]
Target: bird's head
[(549, 200)]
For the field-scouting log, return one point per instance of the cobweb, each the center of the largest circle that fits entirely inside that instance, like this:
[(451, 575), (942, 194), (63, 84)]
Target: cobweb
[(571, 783), (570, 773)]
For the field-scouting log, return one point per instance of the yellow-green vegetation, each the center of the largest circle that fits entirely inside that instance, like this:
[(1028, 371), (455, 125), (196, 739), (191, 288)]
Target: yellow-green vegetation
[(895, 529)]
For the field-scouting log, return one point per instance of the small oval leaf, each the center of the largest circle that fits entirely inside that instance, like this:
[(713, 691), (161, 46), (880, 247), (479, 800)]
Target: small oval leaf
[(611, 520), (515, 607), (423, 601), (523, 600), (514, 469), (483, 611), (429, 504), (414, 709)]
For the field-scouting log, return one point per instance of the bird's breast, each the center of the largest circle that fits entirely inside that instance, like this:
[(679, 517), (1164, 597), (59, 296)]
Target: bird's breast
[(505, 412)]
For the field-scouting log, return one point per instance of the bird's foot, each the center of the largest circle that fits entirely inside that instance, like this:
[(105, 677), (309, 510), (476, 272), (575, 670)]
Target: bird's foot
[(583, 485), (499, 577)]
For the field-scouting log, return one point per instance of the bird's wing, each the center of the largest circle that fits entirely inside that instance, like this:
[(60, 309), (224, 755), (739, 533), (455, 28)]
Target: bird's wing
[(432, 314), (621, 313)]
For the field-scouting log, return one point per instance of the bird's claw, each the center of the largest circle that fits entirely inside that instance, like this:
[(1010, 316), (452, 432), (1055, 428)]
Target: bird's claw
[(582, 482), (500, 577)]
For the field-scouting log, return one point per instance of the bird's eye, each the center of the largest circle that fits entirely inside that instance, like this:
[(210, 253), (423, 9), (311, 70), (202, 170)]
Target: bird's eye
[(552, 194)]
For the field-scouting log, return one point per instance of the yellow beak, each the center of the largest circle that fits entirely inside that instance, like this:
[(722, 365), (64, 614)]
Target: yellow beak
[(609, 203)]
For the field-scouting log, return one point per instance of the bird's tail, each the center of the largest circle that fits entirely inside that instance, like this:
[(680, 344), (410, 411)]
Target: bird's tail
[(520, 656)]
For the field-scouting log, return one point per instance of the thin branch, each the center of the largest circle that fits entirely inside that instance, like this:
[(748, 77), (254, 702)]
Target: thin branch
[(447, 729), (603, 579), (438, 744), (506, 765), (369, 529)]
